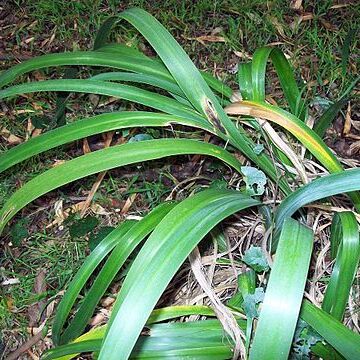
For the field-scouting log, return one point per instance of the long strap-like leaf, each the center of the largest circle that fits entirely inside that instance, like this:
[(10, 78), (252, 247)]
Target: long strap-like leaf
[(345, 341), (124, 246), (345, 248), (81, 277), (127, 92), (344, 182), (161, 256), (92, 126), (280, 310), (125, 61), (106, 159), (195, 87), (285, 74)]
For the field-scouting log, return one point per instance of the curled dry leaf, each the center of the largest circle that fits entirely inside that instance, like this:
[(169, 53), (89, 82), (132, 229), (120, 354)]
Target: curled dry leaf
[(355, 147), (278, 26), (57, 163), (224, 315), (347, 123), (298, 20), (35, 310), (11, 139), (243, 55), (61, 214), (208, 38), (246, 108)]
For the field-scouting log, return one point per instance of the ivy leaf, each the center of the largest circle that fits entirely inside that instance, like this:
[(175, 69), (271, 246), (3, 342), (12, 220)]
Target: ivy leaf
[(250, 302), (255, 180), (258, 149), (19, 232), (255, 258), (83, 226), (40, 122), (305, 337), (140, 137)]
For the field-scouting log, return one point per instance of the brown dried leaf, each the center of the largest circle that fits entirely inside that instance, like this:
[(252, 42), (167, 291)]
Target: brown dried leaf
[(39, 76), (347, 123), (35, 310), (58, 162), (209, 38), (296, 4), (108, 301), (338, 6), (355, 147), (86, 147), (128, 204), (107, 142), (277, 25), (327, 25), (36, 133), (298, 20), (10, 138), (9, 303), (243, 55), (356, 124)]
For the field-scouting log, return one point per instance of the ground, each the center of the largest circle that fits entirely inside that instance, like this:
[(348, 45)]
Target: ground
[(41, 251)]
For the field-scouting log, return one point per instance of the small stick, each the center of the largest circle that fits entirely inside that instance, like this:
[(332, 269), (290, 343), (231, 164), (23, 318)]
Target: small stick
[(28, 344)]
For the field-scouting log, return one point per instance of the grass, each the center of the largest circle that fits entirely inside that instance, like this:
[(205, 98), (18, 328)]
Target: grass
[(241, 24), (58, 256), (244, 30)]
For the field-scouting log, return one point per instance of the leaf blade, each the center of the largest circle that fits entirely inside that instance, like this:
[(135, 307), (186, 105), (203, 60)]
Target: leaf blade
[(161, 256), (284, 292)]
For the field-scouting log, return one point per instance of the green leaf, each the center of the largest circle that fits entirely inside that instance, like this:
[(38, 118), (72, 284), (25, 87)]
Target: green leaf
[(127, 61), (83, 226), (255, 258), (140, 78), (140, 137), (122, 247), (106, 159), (329, 185), (161, 256), (189, 340), (217, 234), (345, 245), (345, 341), (285, 74), (245, 80), (251, 301), (19, 231), (40, 122), (255, 180), (305, 337), (84, 273), (326, 119), (345, 51), (258, 148), (194, 86), (126, 92), (91, 126), (247, 282), (280, 310), (246, 286)]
